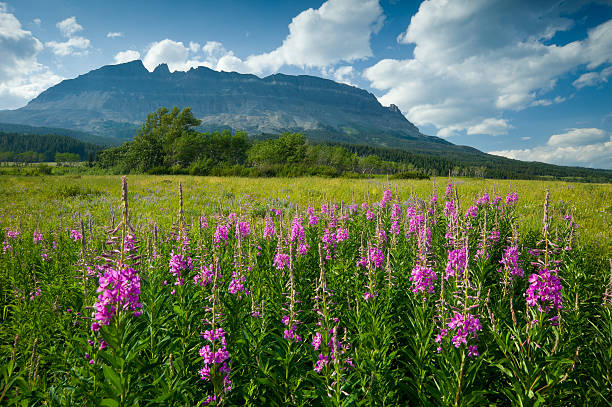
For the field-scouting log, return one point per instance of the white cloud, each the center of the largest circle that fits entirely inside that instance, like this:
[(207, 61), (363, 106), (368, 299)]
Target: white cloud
[(583, 147), (126, 56), (69, 27), (474, 59), (593, 78), (577, 137), (491, 126), (37, 21), (194, 47), (114, 34), (173, 53), (73, 46), (525, 138), (338, 31), (21, 75)]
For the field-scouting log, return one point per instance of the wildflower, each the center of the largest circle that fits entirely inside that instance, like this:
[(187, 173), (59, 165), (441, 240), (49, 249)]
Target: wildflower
[(76, 235), (509, 262), (37, 237), (386, 198), (511, 198), (269, 229), (456, 263), (544, 291), (281, 260), (118, 290), (341, 235), (321, 363), (377, 257), (203, 222), (178, 263), (243, 229), (316, 341), (472, 211), (221, 234), (422, 279)]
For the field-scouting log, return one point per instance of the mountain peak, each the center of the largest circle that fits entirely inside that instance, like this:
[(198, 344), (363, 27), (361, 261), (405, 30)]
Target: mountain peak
[(162, 69), (115, 99)]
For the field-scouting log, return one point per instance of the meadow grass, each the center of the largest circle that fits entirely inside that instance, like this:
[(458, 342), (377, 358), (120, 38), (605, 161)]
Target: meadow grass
[(304, 292)]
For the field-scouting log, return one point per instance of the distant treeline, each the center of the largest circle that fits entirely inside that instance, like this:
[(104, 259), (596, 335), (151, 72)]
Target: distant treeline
[(480, 165), (29, 148), (168, 143)]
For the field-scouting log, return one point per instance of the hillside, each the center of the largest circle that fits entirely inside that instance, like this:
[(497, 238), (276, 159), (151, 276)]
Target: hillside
[(113, 100)]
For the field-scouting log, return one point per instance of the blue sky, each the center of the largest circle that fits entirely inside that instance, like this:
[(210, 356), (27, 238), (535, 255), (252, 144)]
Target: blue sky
[(520, 78)]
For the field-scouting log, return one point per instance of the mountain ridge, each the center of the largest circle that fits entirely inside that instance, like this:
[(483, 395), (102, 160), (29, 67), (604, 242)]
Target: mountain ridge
[(113, 101)]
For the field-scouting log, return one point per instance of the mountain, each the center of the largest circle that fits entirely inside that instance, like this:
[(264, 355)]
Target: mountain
[(114, 100)]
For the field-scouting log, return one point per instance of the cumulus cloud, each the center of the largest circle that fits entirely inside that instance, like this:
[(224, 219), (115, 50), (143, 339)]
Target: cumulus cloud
[(74, 45), (166, 51), (338, 31), (114, 34), (593, 78), (491, 126), (21, 75), (37, 21), (126, 56), (475, 59), (589, 147), (69, 27)]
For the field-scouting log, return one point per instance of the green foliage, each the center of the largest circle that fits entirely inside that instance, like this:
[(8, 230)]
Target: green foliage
[(153, 359)]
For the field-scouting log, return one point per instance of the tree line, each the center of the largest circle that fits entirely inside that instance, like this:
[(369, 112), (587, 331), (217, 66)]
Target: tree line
[(32, 148), (168, 143)]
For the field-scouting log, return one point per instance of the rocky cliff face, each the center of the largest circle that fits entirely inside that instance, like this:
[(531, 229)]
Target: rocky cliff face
[(115, 99)]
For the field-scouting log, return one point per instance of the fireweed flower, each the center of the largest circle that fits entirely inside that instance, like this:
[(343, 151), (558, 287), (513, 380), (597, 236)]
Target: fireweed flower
[(353, 209), (377, 257), (472, 211), (281, 260), (203, 222), (12, 234), (205, 275), (396, 211), (395, 228), (231, 218), (483, 200), (341, 235), (462, 329), (387, 196), (422, 279), (370, 215), (179, 263), (216, 357), (221, 234), (511, 198), (456, 263), (76, 235), (37, 237), (243, 229), (544, 291), (312, 218), (510, 263), (119, 290), (269, 229)]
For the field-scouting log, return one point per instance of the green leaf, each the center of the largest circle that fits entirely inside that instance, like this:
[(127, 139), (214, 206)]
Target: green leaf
[(113, 378), (109, 403)]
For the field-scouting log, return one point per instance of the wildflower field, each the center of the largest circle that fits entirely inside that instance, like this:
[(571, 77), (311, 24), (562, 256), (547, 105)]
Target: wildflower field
[(185, 291)]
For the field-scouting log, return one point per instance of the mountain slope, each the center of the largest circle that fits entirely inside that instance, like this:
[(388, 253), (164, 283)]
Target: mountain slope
[(114, 100)]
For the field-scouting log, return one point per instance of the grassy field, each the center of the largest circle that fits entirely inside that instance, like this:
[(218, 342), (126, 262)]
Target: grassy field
[(304, 292), (44, 197)]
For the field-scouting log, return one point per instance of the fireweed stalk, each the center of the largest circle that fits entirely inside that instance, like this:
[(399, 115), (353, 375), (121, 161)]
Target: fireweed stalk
[(216, 369), (119, 290)]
